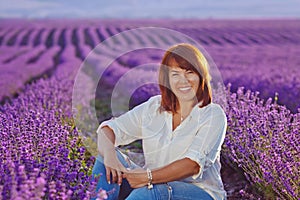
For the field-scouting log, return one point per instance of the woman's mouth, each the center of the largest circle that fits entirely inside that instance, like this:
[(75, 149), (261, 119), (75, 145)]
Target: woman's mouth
[(185, 89)]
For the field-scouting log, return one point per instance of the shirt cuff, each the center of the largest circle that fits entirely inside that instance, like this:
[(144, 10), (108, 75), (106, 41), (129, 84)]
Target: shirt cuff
[(199, 158)]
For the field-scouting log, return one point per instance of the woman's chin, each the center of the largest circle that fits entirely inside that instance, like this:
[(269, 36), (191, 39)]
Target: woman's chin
[(187, 98)]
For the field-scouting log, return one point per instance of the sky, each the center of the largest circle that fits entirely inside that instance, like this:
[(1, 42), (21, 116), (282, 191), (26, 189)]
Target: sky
[(202, 9)]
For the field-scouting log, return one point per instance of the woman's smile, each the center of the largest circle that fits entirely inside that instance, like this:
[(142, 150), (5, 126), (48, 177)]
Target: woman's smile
[(185, 89)]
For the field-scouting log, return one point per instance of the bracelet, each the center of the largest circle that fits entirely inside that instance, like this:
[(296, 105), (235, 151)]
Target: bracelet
[(149, 174)]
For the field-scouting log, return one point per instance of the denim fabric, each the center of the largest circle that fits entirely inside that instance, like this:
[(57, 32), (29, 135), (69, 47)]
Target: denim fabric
[(176, 190)]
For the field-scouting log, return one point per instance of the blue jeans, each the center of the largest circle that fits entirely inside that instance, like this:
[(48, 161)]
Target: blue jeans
[(175, 190)]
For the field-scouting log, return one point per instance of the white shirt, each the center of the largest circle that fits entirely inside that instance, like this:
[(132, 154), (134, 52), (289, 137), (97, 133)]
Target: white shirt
[(199, 137)]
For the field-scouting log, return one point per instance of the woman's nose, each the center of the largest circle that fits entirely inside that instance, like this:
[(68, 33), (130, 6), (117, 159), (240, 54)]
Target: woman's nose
[(183, 78)]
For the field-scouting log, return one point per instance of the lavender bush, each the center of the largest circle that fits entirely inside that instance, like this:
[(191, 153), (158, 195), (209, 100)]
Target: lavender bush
[(41, 154), (262, 139)]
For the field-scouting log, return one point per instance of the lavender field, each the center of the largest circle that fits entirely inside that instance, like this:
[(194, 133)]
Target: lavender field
[(43, 154)]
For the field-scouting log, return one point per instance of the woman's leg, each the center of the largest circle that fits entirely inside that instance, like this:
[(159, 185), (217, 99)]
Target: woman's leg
[(114, 190), (100, 171), (157, 192), (185, 191), (175, 190)]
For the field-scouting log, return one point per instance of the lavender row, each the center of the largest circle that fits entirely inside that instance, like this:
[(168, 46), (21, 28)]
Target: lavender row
[(27, 63), (41, 152), (22, 65), (271, 70)]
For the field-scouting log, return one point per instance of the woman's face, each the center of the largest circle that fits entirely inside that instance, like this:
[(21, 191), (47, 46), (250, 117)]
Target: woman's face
[(184, 83)]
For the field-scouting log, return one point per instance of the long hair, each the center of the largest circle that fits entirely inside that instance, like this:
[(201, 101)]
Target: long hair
[(189, 58)]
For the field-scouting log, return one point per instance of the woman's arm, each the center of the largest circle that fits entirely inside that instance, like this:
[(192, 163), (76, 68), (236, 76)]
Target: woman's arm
[(106, 140), (106, 148), (177, 170)]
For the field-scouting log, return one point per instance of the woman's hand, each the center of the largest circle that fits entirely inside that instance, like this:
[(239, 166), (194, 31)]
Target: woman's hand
[(136, 178), (113, 175), (113, 167)]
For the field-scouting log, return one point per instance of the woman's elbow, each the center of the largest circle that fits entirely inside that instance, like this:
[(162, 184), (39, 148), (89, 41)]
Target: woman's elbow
[(196, 168), (193, 166)]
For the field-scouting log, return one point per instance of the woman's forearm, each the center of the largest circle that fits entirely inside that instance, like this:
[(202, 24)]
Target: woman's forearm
[(177, 170), (106, 140)]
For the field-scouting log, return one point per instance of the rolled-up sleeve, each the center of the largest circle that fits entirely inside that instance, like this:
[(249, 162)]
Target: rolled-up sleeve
[(208, 140), (127, 127)]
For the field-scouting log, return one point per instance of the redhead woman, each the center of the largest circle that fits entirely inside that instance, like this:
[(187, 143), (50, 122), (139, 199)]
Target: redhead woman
[(182, 132)]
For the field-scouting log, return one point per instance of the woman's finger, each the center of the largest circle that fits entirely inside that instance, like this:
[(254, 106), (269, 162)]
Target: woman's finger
[(114, 176), (119, 177), (108, 171)]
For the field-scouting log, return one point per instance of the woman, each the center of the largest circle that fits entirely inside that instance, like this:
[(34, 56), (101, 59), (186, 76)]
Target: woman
[(182, 132)]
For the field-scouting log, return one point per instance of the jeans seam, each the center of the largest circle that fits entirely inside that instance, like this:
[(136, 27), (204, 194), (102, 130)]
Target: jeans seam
[(169, 191)]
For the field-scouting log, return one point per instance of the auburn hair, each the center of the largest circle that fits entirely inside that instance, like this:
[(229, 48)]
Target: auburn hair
[(188, 57)]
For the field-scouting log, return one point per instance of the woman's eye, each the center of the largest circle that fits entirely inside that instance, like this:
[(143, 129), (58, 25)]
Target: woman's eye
[(190, 72)]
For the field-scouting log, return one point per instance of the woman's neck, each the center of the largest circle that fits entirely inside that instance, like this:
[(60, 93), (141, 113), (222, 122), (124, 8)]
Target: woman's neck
[(185, 108)]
